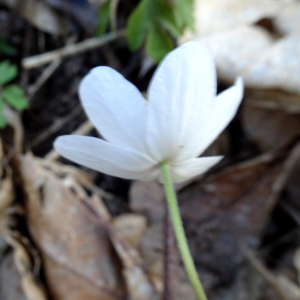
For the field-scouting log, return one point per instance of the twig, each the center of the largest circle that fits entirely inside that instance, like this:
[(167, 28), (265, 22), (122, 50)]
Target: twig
[(82, 130), (42, 59), (26, 51), (113, 14), (46, 74), (265, 273), (58, 124), (289, 165), (43, 78)]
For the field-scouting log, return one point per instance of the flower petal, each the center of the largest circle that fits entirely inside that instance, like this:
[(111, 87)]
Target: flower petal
[(181, 98), (115, 107), (182, 171), (105, 157), (225, 108)]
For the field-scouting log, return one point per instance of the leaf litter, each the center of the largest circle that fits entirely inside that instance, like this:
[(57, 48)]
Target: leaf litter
[(58, 239)]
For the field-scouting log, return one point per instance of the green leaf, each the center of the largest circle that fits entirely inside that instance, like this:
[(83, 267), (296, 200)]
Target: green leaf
[(184, 13), (103, 18), (2, 117), (137, 25), (158, 43), (170, 25), (15, 97), (157, 21), (166, 17), (7, 72)]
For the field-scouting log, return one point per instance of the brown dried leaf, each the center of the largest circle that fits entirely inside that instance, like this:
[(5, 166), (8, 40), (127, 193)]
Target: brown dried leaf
[(138, 284), (219, 213), (270, 129), (131, 227), (6, 191), (265, 56), (148, 198), (78, 259), (227, 210), (273, 99), (39, 14)]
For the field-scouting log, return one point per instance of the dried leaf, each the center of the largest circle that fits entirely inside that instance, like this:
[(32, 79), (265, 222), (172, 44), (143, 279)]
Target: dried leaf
[(131, 227), (265, 57), (77, 256), (273, 99), (219, 213), (270, 129), (138, 284), (40, 15)]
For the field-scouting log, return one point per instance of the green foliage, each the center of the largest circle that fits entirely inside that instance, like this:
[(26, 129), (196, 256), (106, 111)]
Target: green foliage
[(10, 94), (103, 18), (15, 97), (156, 22), (7, 72), (158, 43), (5, 48)]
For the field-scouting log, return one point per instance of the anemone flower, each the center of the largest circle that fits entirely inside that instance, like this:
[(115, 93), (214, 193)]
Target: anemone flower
[(182, 117), (161, 138)]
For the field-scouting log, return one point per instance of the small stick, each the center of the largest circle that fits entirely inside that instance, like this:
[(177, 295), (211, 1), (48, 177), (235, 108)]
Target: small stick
[(47, 73), (89, 44), (266, 274), (57, 124), (113, 14), (43, 78)]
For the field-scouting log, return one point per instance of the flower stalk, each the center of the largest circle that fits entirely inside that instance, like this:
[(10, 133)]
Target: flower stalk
[(179, 232)]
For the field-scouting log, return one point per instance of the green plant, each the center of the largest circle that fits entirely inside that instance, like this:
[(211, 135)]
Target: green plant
[(153, 22), (10, 93), (103, 18)]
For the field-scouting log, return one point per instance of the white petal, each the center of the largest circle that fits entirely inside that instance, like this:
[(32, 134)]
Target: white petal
[(105, 157), (225, 108), (181, 98), (115, 107), (182, 171)]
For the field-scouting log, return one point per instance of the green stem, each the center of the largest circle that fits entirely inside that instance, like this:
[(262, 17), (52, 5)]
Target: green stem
[(179, 233)]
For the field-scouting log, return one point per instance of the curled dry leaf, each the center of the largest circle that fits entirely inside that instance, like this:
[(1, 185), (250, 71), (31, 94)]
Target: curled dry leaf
[(241, 48), (40, 15), (78, 258), (138, 284)]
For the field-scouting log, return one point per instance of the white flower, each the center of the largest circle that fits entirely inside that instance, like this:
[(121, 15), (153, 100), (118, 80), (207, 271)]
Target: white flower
[(182, 118)]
